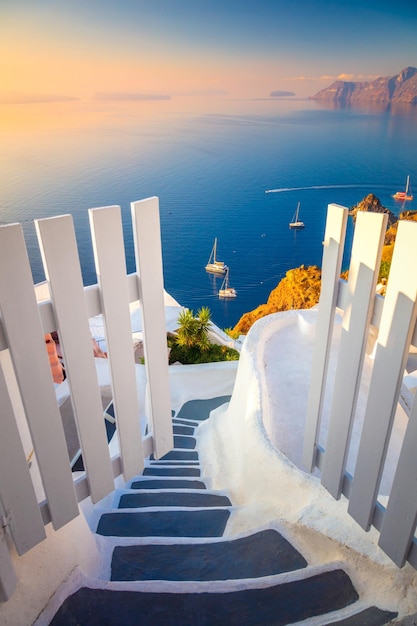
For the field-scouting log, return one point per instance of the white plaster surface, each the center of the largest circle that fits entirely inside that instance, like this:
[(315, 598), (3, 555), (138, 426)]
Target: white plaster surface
[(44, 568), (239, 450), (241, 454)]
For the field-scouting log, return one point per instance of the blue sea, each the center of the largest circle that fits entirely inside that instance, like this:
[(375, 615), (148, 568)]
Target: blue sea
[(211, 167)]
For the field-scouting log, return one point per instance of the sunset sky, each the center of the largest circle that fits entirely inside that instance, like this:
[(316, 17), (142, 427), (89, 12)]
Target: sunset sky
[(128, 49)]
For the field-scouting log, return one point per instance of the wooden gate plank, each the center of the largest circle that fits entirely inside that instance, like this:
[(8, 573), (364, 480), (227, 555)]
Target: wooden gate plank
[(363, 275), (16, 494), (395, 332), (399, 523), (334, 240), (109, 255), (148, 253), (8, 578), (62, 269), (25, 338)]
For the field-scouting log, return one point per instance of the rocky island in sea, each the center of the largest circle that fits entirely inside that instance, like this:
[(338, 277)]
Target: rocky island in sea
[(401, 88), (300, 288)]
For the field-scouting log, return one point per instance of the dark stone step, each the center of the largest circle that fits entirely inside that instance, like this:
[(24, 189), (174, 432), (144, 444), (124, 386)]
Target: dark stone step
[(167, 484), (199, 523), (263, 554), (199, 410), (369, 617), (178, 455), (176, 463), (271, 606), (171, 471), (183, 430), (185, 422), (182, 441), (169, 498)]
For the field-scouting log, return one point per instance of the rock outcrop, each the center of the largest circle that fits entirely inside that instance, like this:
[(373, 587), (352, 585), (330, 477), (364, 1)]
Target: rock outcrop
[(401, 88), (372, 203), (299, 289)]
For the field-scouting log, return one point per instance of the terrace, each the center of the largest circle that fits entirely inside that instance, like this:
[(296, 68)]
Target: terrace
[(277, 489)]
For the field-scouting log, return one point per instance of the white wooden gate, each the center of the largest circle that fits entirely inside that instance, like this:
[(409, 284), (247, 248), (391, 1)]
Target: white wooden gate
[(395, 317), (26, 385)]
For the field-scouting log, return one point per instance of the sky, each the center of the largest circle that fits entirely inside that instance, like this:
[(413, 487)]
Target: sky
[(107, 50)]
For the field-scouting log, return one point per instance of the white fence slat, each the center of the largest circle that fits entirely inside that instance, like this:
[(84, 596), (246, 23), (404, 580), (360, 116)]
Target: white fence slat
[(334, 239), (108, 245), (397, 326), (8, 578), (26, 341), (147, 237), (17, 493), (363, 275), (62, 269), (398, 526)]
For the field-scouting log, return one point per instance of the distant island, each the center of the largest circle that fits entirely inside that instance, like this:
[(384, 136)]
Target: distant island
[(401, 88)]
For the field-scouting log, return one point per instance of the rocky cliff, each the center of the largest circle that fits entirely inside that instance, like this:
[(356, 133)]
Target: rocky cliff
[(401, 88), (299, 289)]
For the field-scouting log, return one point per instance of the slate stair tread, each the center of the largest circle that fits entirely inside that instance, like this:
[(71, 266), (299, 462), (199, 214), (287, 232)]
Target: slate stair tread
[(262, 554), (178, 455), (136, 500), (199, 410), (185, 442), (183, 430), (168, 523), (270, 606), (171, 471), (172, 483), (177, 463)]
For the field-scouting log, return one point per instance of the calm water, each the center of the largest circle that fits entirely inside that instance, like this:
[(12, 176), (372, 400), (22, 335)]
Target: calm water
[(210, 170)]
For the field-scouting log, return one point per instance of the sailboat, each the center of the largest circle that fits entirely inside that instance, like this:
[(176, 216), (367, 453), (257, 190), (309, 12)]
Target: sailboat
[(213, 265), (404, 195), (296, 223), (225, 291)]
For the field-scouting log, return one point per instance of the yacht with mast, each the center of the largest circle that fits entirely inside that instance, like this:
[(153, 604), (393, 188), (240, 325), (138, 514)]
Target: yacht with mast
[(404, 195), (225, 291), (296, 223), (213, 265)]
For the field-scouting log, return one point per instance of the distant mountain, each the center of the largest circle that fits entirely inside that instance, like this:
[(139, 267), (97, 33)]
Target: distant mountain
[(399, 88)]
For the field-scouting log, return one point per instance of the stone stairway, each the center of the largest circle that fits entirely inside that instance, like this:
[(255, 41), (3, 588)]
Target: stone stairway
[(171, 564)]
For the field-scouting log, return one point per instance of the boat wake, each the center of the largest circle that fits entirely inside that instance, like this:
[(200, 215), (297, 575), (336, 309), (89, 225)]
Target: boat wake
[(362, 186)]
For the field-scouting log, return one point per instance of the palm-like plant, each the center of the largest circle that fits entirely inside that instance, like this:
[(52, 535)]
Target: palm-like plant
[(193, 330)]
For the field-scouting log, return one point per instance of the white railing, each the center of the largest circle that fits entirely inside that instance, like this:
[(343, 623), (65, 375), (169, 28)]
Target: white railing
[(395, 318), (26, 387)]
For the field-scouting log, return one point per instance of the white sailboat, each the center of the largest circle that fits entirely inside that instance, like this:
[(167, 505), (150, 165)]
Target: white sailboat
[(213, 265), (296, 223), (404, 195), (225, 291)]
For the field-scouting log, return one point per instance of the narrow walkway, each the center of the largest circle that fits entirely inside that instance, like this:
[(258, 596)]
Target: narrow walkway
[(168, 527)]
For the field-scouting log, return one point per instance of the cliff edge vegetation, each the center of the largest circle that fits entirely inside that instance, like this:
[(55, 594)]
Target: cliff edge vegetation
[(300, 288)]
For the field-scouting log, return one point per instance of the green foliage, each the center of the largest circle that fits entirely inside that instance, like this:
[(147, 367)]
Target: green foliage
[(234, 334), (384, 270), (192, 343), (192, 355), (193, 330)]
